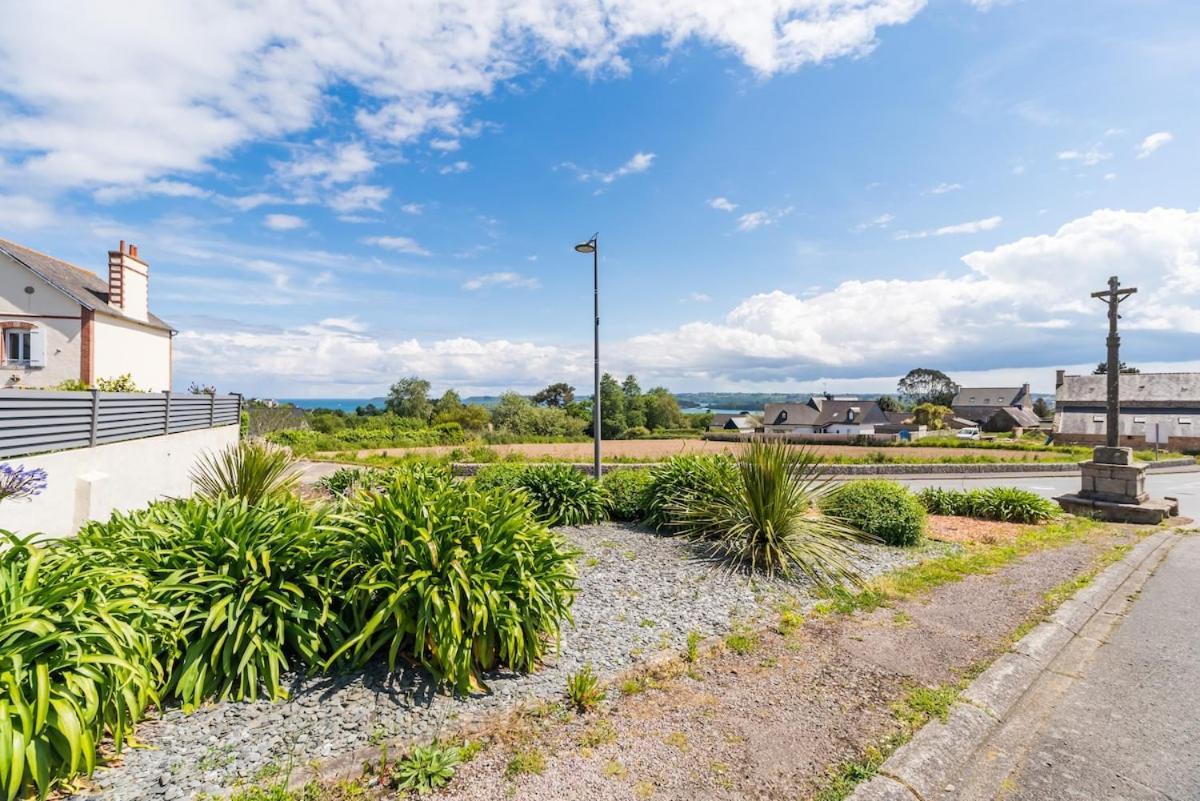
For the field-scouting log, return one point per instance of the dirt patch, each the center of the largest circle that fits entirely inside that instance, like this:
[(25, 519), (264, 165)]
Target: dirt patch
[(656, 449), (970, 530), (769, 724)]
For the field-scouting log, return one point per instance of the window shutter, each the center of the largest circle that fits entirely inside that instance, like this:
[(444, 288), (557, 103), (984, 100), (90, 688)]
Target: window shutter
[(37, 348)]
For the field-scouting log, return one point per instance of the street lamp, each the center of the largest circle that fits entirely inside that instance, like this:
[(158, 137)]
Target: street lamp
[(593, 246)]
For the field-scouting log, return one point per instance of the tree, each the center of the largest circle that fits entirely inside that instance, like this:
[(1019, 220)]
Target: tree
[(931, 415), (889, 404), (448, 403), (556, 396), (201, 389), (409, 397), (662, 410), (1041, 408), (926, 385), (635, 411), (472, 418), (1102, 369), (612, 408)]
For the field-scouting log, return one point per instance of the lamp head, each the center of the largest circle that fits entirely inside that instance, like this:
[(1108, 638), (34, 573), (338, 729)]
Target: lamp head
[(586, 247)]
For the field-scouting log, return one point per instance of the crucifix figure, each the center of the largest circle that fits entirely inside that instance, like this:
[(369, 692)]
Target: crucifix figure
[(1113, 297)]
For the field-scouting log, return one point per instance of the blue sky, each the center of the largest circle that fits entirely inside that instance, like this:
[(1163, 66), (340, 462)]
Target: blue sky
[(332, 196)]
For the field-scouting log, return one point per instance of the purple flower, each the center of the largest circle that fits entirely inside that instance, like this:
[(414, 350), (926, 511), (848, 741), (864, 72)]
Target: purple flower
[(17, 482)]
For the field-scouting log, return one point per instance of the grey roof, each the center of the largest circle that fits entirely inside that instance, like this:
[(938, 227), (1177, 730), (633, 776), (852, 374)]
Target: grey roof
[(789, 414), (82, 286), (838, 411), (1020, 417), (987, 396), (1135, 387)]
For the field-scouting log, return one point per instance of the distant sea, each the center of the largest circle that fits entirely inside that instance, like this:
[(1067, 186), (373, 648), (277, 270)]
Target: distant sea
[(346, 404)]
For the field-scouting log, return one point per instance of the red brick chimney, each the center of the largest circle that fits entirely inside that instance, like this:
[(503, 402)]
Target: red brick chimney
[(128, 281)]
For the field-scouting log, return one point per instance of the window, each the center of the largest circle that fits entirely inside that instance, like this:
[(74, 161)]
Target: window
[(17, 348), (1139, 419), (1185, 421), (1099, 418)]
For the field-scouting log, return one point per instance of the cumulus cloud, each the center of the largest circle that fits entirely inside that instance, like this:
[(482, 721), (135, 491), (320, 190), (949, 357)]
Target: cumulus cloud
[(360, 198), (722, 204), (204, 79), (638, 162), (399, 244), (504, 280), (1153, 142), (757, 219), (165, 188), (970, 227), (20, 211), (1089, 158), (455, 168), (412, 208), (327, 165)]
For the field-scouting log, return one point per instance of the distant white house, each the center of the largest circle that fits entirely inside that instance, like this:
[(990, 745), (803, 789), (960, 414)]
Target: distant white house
[(741, 423), (60, 322), (848, 416)]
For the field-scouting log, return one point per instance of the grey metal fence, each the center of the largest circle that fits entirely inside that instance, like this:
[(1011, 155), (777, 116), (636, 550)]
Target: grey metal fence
[(33, 421)]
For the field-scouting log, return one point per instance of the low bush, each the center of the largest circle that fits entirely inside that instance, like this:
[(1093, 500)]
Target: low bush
[(459, 579), (635, 432), (250, 470), (238, 583), (627, 493), (683, 477), (346, 480), (883, 509), (560, 494), (763, 517), (1007, 504), (76, 664)]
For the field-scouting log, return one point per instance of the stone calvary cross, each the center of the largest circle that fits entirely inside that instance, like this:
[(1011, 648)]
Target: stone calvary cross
[(1113, 297)]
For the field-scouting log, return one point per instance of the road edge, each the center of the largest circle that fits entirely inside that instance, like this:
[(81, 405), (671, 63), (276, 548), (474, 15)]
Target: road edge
[(928, 764)]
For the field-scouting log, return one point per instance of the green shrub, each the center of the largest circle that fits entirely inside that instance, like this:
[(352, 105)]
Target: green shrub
[(1007, 504), (560, 494), (628, 492), (251, 470), (345, 480), (681, 477), (763, 518), (883, 509), (458, 579), (76, 664), (635, 432), (239, 583)]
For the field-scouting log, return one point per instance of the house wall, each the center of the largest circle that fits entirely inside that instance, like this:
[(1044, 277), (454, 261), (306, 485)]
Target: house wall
[(789, 429), (849, 430), (91, 483), (123, 347), (50, 311), (1178, 427)]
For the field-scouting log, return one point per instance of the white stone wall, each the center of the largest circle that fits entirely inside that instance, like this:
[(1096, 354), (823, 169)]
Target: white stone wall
[(122, 346), (91, 483), (53, 313)]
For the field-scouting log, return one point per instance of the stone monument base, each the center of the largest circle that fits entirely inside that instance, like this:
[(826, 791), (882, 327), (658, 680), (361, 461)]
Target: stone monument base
[(1114, 489)]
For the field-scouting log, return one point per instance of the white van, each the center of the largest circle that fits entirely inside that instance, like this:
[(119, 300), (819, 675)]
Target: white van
[(970, 432)]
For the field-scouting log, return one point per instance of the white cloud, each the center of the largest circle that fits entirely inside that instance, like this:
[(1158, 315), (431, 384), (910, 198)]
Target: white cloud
[(504, 280), (445, 145), (251, 202), (942, 189), (283, 222), (358, 198), (638, 162), (1153, 142), (757, 219), (19, 211), (988, 5), (1110, 176), (327, 165), (455, 168), (191, 84), (400, 244), (1089, 158), (882, 221), (113, 194), (722, 204), (412, 208), (696, 297), (971, 227)]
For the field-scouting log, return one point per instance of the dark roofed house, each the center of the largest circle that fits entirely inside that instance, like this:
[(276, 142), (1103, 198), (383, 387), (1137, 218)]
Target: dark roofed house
[(980, 404), (59, 322), (742, 423), (1008, 418), (824, 416), (1154, 406)]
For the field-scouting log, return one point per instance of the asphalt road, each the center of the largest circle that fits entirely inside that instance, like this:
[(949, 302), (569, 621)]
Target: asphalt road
[(1182, 485)]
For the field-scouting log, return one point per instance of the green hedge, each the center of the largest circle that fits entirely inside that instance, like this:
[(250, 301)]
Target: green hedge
[(1007, 504), (560, 494), (628, 492), (883, 509)]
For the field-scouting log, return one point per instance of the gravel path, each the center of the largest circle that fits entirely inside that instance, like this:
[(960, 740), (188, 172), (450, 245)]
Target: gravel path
[(639, 593)]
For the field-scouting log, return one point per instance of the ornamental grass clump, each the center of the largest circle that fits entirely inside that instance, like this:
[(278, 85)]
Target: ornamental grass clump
[(455, 578), (766, 517), (240, 585), (76, 664), (883, 509), (250, 470), (559, 494), (1006, 504), (682, 477)]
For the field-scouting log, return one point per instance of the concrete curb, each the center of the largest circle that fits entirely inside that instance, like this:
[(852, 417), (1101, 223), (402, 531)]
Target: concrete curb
[(927, 766)]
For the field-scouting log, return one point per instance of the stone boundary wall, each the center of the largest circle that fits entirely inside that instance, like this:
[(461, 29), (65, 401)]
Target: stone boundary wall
[(471, 468)]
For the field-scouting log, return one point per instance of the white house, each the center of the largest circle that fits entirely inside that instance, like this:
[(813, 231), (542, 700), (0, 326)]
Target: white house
[(60, 322), (848, 416)]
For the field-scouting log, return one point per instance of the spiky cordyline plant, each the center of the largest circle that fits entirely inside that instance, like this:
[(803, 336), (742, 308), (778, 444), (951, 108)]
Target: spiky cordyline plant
[(457, 579), (250, 470), (767, 518), (239, 583), (76, 663)]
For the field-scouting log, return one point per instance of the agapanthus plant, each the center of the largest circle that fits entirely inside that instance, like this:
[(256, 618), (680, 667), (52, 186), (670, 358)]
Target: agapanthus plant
[(19, 483)]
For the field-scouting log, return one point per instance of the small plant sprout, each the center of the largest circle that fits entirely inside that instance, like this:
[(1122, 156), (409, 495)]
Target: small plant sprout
[(584, 690), (693, 646), (19, 484), (427, 767)]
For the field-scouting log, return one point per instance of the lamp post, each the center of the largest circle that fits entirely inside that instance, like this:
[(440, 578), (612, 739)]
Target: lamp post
[(593, 246)]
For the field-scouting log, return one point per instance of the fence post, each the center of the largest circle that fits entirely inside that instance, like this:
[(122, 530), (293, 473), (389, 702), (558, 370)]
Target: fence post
[(95, 416), (212, 410), (167, 417)]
